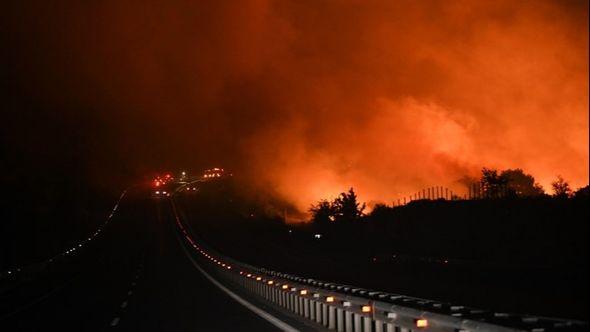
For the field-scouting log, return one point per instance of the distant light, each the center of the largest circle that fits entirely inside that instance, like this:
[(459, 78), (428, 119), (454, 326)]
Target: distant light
[(248, 275), (157, 192), (318, 236), (421, 323), (303, 292), (285, 286), (270, 282), (258, 278), (366, 308), (330, 299)]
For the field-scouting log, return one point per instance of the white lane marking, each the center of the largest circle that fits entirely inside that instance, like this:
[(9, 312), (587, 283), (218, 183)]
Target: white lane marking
[(263, 314), (115, 321), (124, 304)]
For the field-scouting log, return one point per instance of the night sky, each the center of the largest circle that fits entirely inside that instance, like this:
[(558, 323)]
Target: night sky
[(301, 99)]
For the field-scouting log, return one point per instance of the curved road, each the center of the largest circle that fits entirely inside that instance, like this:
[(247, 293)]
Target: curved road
[(138, 278)]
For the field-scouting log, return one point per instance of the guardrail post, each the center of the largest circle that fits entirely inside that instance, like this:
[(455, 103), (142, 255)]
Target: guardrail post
[(292, 301), (357, 322), (306, 308), (348, 321), (340, 320), (324, 314), (318, 312), (378, 326), (367, 324), (331, 317)]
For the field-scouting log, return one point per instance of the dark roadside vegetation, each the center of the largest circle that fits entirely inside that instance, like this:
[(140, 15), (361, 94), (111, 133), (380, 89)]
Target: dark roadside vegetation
[(521, 255)]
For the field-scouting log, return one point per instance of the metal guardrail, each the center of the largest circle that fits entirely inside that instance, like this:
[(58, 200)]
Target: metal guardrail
[(352, 309)]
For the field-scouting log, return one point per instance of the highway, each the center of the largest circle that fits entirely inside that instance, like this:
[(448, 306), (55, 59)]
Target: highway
[(146, 269), (139, 278)]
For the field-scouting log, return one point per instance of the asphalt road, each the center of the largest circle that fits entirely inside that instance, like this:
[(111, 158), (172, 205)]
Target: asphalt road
[(139, 278)]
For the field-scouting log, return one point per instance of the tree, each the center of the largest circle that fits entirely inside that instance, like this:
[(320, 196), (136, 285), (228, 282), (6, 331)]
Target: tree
[(323, 212), (521, 184), (347, 207), (492, 184), (583, 192), (561, 188)]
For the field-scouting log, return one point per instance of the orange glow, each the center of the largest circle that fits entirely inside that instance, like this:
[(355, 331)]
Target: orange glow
[(329, 299), (285, 286), (388, 97), (303, 292), (366, 308)]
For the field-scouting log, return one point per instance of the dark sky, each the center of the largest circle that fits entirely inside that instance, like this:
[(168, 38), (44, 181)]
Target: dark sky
[(301, 98)]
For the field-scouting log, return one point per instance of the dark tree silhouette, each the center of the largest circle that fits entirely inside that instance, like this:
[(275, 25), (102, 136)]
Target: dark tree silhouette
[(583, 192), (347, 207), (492, 184), (520, 184), (323, 212), (561, 188)]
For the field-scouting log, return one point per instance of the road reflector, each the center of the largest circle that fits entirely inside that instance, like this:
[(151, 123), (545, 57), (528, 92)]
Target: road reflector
[(421, 323)]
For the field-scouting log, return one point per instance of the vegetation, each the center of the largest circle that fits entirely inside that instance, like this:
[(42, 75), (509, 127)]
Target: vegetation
[(561, 188), (345, 208), (510, 184)]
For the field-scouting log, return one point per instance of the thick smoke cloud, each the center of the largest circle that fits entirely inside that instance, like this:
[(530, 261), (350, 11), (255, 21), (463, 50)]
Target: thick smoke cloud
[(304, 99)]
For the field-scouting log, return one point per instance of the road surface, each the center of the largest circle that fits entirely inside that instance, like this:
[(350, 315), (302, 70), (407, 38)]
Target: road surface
[(139, 278)]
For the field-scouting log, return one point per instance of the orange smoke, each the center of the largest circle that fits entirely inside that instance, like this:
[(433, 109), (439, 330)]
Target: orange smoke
[(305, 99), (390, 98)]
